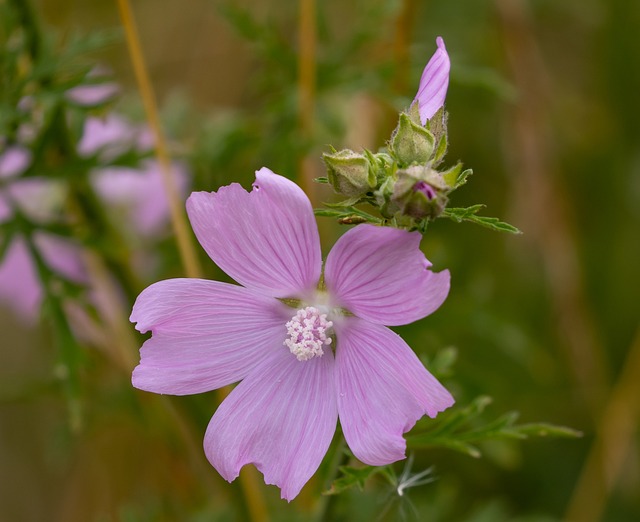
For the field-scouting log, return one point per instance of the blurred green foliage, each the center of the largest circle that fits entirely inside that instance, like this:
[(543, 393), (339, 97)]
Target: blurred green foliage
[(507, 316)]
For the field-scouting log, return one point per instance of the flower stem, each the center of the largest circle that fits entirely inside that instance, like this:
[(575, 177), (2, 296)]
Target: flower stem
[(326, 503), (401, 42), (307, 40), (178, 218), (69, 351)]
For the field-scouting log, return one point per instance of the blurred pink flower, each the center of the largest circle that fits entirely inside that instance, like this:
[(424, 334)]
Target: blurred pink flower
[(108, 136), (20, 285), (282, 416), (138, 193), (14, 161), (434, 83), (90, 94), (93, 94), (135, 195)]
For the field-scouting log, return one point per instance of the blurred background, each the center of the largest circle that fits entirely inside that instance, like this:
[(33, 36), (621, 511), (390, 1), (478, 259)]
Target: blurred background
[(543, 105)]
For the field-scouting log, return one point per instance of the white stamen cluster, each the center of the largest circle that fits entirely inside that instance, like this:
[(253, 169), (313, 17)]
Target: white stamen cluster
[(307, 331)]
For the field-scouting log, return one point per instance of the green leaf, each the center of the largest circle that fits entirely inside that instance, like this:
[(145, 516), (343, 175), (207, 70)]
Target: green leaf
[(325, 212), (441, 149), (321, 180), (543, 429), (351, 477), (495, 224), (462, 178), (451, 432), (469, 214), (349, 215), (346, 203), (452, 176), (441, 365)]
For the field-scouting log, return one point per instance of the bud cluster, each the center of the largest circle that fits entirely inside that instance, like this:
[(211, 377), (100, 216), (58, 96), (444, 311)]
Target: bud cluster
[(402, 181)]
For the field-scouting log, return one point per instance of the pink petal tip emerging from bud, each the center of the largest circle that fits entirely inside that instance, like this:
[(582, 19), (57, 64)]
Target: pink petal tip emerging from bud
[(434, 83)]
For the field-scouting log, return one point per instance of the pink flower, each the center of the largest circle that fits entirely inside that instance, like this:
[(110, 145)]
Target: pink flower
[(282, 416), (138, 194), (20, 285), (14, 161), (110, 136), (94, 92), (434, 83)]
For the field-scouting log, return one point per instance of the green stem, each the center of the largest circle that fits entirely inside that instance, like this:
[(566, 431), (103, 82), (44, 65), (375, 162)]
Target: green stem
[(326, 503), (28, 20), (69, 351)]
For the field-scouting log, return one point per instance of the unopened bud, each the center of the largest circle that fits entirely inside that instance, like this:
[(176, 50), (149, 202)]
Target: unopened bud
[(420, 192), (349, 173), (411, 143)]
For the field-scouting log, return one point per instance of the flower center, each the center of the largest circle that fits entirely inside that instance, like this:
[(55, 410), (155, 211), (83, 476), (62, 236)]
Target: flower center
[(307, 331)]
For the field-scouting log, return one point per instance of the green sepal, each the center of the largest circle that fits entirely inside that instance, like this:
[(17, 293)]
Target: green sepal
[(349, 173), (411, 143)]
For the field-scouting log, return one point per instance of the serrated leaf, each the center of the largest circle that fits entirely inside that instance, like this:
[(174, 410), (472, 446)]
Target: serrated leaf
[(460, 214), (495, 224), (469, 214), (450, 433)]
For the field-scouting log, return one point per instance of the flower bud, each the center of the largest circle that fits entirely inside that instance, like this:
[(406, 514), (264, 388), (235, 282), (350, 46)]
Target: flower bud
[(434, 83), (349, 173), (420, 192), (411, 143)]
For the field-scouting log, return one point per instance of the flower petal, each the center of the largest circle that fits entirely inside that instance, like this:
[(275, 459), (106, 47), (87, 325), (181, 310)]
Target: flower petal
[(62, 255), (14, 161), (139, 195), (20, 286), (380, 274), (281, 418), (206, 334), (434, 83), (266, 239), (383, 389)]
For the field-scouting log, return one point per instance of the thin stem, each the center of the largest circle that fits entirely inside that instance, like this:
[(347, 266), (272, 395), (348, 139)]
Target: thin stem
[(249, 479), (401, 46), (178, 219), (307, 41), (326, 503), (68, 349)]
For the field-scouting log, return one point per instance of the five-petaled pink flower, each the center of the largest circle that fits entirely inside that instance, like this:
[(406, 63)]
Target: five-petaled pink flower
[(304, 366)]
